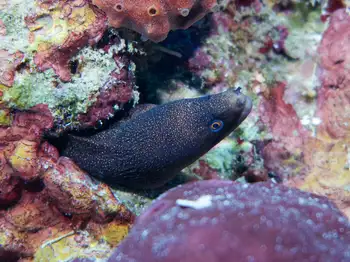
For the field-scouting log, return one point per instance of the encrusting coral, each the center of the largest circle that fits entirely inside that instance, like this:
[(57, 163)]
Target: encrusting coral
[(154, 19), (54, 60), (311, 152), (327, 155), (74, 25), (52, 196), (63, 67)]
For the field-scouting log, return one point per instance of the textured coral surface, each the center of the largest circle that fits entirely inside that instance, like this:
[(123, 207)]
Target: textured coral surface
[(215, 220), (49, 56), (64, 66), (53, 196), (154, 19), (53, 77), (328, 156), (84, 25)]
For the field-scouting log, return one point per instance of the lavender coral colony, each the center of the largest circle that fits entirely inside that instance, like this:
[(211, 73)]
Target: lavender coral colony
[(79, 136)]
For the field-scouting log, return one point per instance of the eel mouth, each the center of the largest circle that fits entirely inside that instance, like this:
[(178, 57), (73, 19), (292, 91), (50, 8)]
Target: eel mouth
[(247, 109)]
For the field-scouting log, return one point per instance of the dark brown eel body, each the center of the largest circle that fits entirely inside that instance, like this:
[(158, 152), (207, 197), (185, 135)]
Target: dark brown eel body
[(154, 145)]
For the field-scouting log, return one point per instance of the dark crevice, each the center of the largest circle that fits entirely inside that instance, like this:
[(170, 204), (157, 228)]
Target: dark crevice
[(74, 65)]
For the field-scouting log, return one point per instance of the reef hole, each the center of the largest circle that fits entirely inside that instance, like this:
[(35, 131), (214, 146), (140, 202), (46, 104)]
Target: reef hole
[(152, 11), (118, 7), (74, 66)]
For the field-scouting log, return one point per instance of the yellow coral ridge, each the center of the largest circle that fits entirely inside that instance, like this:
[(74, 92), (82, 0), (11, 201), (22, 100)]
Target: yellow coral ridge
[(113, 233), (23, 155), (52, 28)]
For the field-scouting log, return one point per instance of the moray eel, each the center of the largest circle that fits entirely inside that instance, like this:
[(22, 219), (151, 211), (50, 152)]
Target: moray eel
[(157, 142)]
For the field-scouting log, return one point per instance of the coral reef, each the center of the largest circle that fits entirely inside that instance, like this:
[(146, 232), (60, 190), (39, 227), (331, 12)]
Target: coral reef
[(20, 142), (46, 196), (311, 150), (287, 144), (154, 19), (54, 76), (251, 47), (81, 25), (214, 220), (297, 133), (63, 67), (54, 60), (328, 154)]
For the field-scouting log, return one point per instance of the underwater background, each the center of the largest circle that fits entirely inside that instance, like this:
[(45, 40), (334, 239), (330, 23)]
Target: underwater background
[(275, 189)]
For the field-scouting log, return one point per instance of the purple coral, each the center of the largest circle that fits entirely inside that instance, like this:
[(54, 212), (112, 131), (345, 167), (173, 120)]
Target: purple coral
[(227, 221)]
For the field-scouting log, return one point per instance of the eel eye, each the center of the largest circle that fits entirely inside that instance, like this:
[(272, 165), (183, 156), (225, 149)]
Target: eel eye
[(216, 125)]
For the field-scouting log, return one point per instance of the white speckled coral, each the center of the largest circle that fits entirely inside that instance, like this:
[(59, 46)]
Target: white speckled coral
[(259, 222)]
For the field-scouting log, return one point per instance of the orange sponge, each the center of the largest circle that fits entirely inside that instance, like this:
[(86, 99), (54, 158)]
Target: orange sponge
[(155, 18)]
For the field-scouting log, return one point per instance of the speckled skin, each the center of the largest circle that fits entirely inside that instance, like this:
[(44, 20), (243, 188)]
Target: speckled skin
[(153, 146)]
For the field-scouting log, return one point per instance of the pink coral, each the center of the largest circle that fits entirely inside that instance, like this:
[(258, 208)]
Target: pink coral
[(328, 155), (57, 56), (205, 171), (74, 192), (28, 125), (38, 211), (288, 134), (334, 96), (8, 64), (10, 187), (2, 28), (116, 92), (317, 162), (154, 18), (221, 220), (20, 141), (276, 113), (33, 213), (19, 149)]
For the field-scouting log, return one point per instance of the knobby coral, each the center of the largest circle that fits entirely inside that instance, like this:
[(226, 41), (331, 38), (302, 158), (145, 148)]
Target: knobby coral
[(44, 197), (220, 220), (154, 19)]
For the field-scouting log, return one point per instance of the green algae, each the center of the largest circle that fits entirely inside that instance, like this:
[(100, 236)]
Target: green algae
[(5, 118), (220, 158), (66, 100), (31, 88), (16, 31)]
